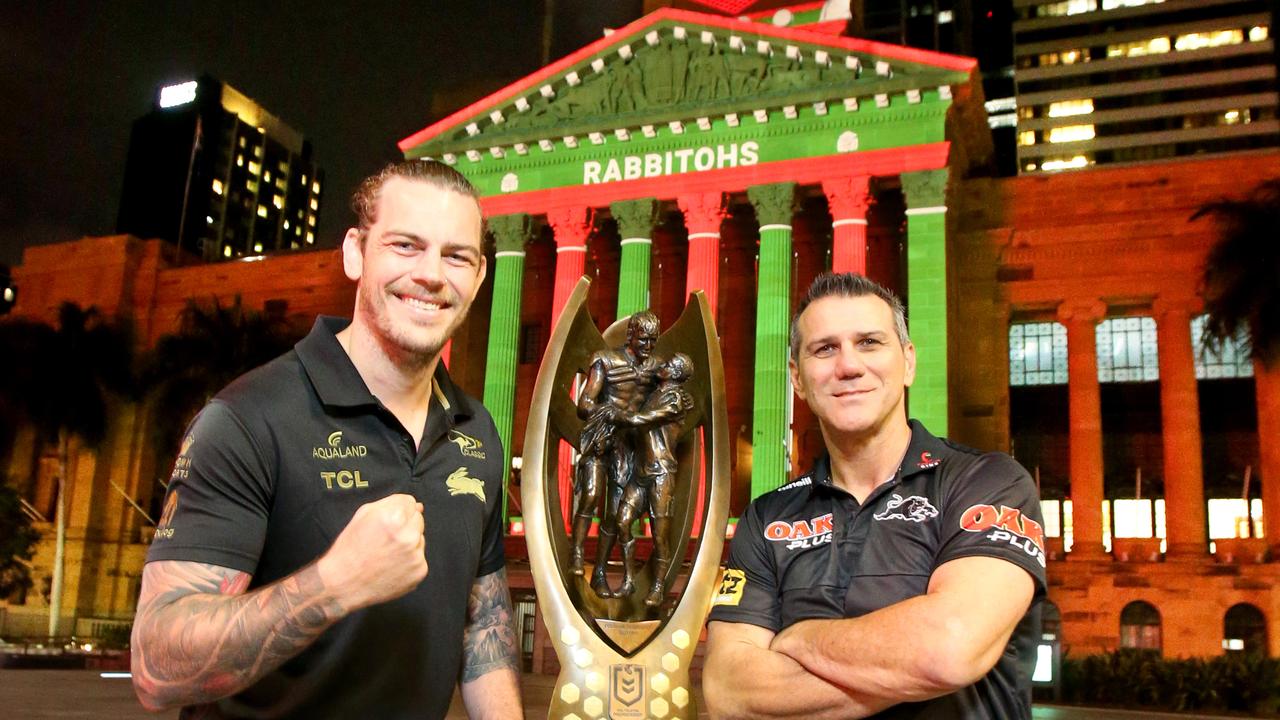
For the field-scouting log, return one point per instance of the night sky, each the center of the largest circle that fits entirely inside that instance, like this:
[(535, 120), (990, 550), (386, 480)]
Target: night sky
[(354, 78)]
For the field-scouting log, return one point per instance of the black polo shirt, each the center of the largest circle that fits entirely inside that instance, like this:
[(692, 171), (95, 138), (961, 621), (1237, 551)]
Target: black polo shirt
[(809, 550), (273, 469)]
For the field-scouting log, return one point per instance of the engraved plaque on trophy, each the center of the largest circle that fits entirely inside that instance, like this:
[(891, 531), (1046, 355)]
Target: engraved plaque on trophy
[(627, 431)]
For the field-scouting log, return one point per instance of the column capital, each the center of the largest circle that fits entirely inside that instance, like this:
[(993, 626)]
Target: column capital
[(925, 189), (511, 232), (1081, 311), (635, 218), (849, 197), (1187, 305), (572, 225), (775, 203), (703, 212)]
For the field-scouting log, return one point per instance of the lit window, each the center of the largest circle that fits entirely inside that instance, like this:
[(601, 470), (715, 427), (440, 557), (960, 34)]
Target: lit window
[(239, 161), (1127, 350), (1067, 108), (1133, 518), (208, 219), (1154, 46), (252, 185), (315, 187), (241, 143), (281, 183), (1067, 7), (284, 166), (1037, 354), (1227, 518), (217, 186), (254, 167), (1071, 57), (1029, 166), (1229, 361), (257, 247), (1195, 41), (315, 204), (1140, 626), (1027, 137), (266, 175), (1114, 4), (1258, 34), (1070, 133), (945, 16), (278, 201), (286, 224), (226, 251), (262, 211), (311, 238), (311, 220), (257, 151), (303, 180)]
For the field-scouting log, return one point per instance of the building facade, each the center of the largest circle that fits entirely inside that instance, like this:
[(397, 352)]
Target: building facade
[(214, 173)]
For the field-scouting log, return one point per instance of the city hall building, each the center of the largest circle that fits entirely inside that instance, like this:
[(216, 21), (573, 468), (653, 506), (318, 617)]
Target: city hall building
[(1055, 316)]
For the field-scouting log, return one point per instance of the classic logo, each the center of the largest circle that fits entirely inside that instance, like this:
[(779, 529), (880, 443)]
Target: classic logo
[(801, 534), (927, 461), (164, 531), (1006, 525), (467, 445), (459, 484), (911, 509), (627, 691), (334, 449), (732, 582)]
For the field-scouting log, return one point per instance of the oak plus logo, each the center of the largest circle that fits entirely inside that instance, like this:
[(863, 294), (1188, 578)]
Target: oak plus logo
[(801, 534), (1006, 525), (912, 509), (335, 449)]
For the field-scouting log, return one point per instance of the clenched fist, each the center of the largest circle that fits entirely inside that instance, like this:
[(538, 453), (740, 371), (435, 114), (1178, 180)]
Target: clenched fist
[(379, 556)]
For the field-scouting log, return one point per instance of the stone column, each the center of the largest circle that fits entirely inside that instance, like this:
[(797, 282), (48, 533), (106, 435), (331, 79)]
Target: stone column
[(1266, 383), (572, 227), (848, 198), (636, 219), (1084, 426), (774, 204), (1184, 506), (510, 232), (703, 214), (926, 196)]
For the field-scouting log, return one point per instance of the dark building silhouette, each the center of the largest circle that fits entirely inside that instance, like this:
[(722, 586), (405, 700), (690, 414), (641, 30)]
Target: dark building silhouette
[(213, 172)]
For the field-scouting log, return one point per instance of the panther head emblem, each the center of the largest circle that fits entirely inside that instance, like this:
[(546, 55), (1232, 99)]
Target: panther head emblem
[(911, 509)]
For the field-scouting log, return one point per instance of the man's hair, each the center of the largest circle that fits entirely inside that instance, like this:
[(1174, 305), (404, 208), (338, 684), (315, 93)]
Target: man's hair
[(643, 320), (848, 285), (364, 201)]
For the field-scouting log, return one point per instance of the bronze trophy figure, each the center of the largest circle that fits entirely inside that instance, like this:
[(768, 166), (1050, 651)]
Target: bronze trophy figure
[(649, 425)]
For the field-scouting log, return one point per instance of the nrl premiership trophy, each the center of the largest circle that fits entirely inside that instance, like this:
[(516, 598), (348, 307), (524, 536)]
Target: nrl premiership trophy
[(645, 412)]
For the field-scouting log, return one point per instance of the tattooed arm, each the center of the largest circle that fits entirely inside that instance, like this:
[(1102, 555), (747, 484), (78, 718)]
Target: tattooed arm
[(490, 654), (198, 636)]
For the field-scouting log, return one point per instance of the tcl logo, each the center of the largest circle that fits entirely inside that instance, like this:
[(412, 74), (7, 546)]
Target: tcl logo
[(1006, 525), (801, 533)]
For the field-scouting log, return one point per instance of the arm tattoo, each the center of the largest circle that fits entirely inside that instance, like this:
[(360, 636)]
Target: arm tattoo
[(199, 637), (489, 640)]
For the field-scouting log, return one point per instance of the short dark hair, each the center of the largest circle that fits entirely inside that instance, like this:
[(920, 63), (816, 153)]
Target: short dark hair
[(364, 201), (848, 285)]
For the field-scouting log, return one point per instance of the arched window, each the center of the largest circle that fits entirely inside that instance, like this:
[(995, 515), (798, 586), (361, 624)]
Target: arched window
[(1140, 626), (1244, 630), (1050, 622)]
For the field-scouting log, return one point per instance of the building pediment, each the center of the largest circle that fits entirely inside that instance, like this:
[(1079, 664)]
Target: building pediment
[(676, 68)]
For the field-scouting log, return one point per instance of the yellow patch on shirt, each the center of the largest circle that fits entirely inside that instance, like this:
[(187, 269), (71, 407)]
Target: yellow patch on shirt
[(459, 484), (732, 583)]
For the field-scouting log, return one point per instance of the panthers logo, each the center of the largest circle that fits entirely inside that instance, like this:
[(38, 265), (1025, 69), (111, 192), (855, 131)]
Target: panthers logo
[(459, 484), (911, 509)]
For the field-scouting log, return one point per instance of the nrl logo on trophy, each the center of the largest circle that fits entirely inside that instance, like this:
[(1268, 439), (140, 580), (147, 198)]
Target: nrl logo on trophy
[(627, 441)]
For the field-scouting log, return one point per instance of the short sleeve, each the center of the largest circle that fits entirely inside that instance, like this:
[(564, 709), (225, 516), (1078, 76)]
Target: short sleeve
[(993, 510), (748, 590), (493, 555), (219, 496)]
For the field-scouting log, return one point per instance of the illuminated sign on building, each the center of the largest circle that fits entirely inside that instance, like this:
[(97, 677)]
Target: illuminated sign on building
[(671, 162), (175, 95)]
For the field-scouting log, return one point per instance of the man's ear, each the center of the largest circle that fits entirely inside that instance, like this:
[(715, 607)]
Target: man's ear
[(910, 376), (794, 370), (352, 254)]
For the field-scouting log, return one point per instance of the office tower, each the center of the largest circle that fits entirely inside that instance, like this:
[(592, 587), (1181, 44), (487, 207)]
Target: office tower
[(1120, 81), (213, 172)]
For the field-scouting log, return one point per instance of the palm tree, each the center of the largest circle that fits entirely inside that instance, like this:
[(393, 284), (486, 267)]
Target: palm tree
[(214, 345), (58, 380), (1241, 281)]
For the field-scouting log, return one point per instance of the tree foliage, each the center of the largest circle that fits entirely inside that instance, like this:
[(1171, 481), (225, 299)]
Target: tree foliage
[(1241, 281), (17, 543)]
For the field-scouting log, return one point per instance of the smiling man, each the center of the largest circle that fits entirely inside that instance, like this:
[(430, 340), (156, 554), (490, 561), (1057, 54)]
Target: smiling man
[(900, 577), (332, 541)]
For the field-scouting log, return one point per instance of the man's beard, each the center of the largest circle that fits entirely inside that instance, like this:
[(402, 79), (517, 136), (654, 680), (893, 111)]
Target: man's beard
[(407, 346)]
